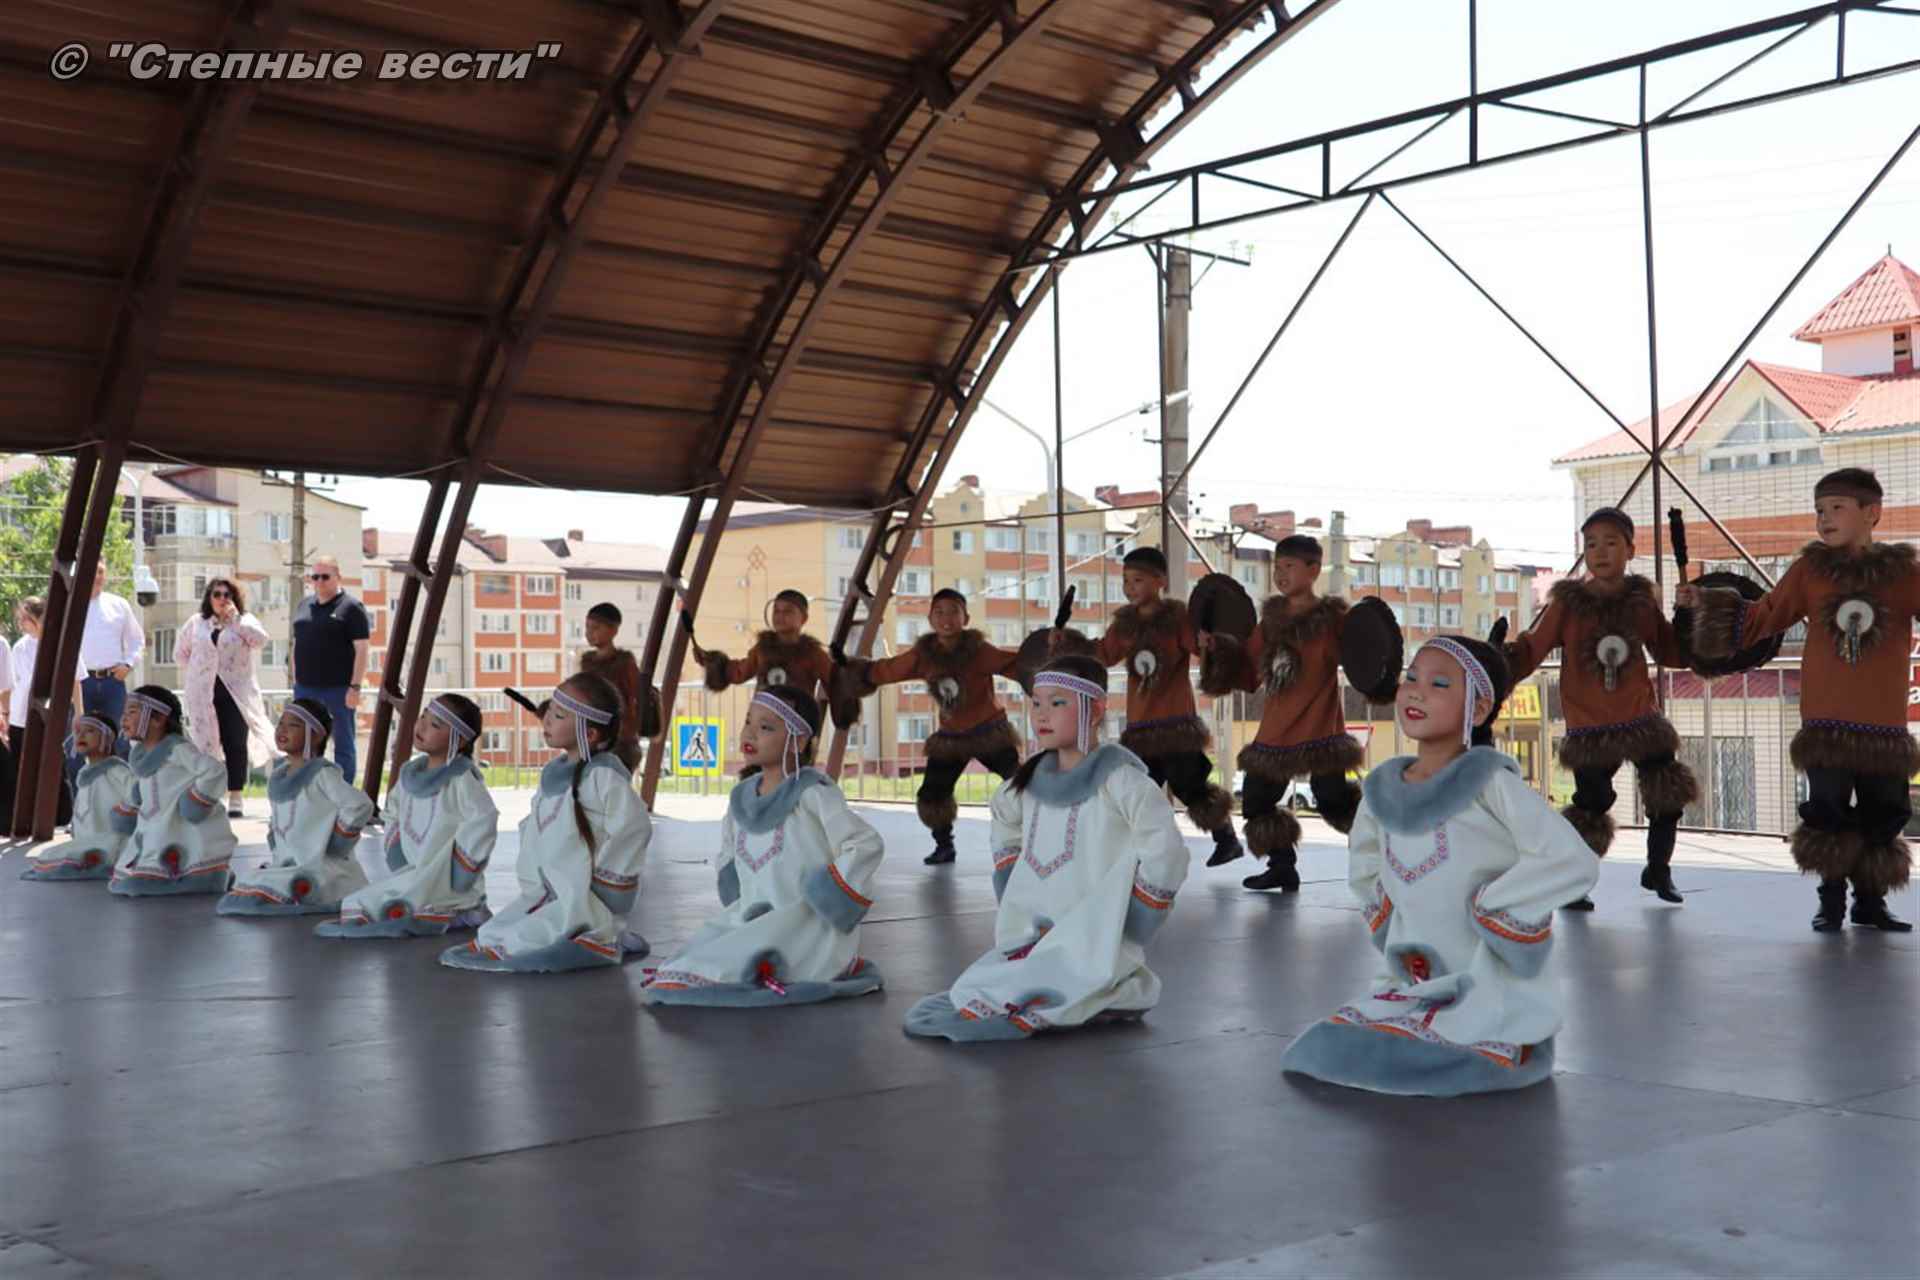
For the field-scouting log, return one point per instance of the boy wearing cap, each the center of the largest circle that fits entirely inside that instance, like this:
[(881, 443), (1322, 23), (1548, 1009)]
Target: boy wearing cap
[(783, 655), (1293, 657), (1858, 598), (617, 667), (959, 665), (1155, 640), (1605, 625)]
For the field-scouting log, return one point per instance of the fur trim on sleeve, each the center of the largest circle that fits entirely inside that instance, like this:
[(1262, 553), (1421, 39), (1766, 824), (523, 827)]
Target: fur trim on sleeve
[(716, 664)]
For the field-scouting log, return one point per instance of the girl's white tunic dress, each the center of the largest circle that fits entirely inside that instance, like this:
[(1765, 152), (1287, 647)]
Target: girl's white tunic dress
[(103, 817), (182, 842), (1086, 866), (573, 904), (1458, 878), (312, 832), (795, 870), (441, 824)]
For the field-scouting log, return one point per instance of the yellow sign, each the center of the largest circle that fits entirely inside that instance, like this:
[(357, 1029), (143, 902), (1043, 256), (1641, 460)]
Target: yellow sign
[(1524, 704)]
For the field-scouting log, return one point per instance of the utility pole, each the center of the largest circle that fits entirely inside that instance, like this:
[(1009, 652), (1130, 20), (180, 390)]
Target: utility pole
[(296, 557), (1177, 307)]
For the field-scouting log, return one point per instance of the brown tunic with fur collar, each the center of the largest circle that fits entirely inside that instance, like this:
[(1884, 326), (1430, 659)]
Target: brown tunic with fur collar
[(970, 663), (1157, 650), (1863, 699), (1576, 619), (804, 662)]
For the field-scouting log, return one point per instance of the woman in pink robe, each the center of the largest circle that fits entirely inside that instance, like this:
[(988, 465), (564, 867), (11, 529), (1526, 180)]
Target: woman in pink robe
[(217, 650)]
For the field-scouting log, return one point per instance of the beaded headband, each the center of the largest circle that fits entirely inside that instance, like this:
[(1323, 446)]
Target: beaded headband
[(1083, 689), (148, 708), (583, 715), (459, 728), (99, 726), (1476, 676), (797, 728), (310, 726)]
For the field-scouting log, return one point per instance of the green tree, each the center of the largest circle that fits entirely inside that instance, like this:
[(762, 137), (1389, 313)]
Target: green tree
[(30, 507)]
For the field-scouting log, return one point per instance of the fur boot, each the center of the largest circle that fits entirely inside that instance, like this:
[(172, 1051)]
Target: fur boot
[(1272, 832), (1881, 869), (1831, 855), (1668, 787), (1215, 813), (937, 815), (1595, 828)]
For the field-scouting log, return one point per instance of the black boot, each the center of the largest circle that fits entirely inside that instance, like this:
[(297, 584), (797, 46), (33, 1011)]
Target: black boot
[(1582, 903), (1833, 907), (943, 850), (1281, 874), (1870, 911), (1658, 877), (1226, 847)]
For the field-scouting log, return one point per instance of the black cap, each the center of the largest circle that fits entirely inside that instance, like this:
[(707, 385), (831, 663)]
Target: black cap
[(798, 599), (1613, 516), (948, 593)]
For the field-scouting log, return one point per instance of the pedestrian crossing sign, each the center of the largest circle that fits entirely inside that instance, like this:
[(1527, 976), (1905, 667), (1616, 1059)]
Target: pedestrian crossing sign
[(700, 746)]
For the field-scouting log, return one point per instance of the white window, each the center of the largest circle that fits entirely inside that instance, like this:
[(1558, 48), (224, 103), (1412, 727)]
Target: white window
[(963, 541), (841, 586), (494, 584), (276, 526), (492, 701), (1039, 541), (274, 654), (1482, 588), (1001, 538), (907, 630), (1003, 585), (1393, 575), (546, 662), (1507, 581), (1086, 591), (913, 582), (1481, 623), (536, 739), (439, 667), (1422, 615), (1399, 613), (542, 624), (496, 661), (495, 740), (576, 591), (1005, 634), (495, 623), (1449, 615), (852, 537), (915, 728), (1083, 544), (964, 586), (1040, 589), (163, 639), (1450, 578), (576, 630), (542, 584), (1422, 577), (1364, 574)]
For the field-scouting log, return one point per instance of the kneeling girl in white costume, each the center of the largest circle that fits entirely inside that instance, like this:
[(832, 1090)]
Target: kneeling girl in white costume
[(313, 829), (580, 850), (181, 840), (441, 824), (795, 869), (1458, 865), (1086, 862), (103, 811)]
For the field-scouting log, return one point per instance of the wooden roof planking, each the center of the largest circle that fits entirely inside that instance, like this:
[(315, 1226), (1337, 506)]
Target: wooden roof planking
[(802, 252)]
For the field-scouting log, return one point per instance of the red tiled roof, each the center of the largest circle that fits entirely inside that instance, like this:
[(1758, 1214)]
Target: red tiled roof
[(1888, 292), (1835, 403)]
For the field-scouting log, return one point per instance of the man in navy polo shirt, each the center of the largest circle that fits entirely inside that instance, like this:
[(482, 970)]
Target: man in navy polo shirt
[(330, 632)]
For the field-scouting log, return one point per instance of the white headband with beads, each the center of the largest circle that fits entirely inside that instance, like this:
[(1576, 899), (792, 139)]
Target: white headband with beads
[(309, 726), (1477, 678), (148, 707), (583, 715), (797, 728), (1082, 688), (459, 728), (100, 726)]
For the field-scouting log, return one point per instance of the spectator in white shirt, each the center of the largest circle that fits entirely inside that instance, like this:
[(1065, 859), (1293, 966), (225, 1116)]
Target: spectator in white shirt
[(27, 617), (110, 645)]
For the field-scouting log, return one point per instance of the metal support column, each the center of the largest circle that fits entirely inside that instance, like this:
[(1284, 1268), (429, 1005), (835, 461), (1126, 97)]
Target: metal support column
[(1177, 304)]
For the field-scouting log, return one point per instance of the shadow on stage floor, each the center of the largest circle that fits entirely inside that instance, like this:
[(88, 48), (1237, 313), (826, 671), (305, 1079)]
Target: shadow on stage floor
[(186, 1095)]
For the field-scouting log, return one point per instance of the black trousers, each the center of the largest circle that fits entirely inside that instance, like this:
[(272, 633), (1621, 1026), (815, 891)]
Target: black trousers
[(939, 778), (1874, 804), (1261, 797), (1184, 773), (1593, 792), (233, 735)]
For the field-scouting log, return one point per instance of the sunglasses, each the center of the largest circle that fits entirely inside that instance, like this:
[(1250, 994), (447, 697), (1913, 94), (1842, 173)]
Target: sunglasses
[(221, 595), (319, 577)]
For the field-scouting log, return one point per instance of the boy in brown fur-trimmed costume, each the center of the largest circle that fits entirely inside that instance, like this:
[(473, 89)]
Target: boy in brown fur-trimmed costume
[(1858, 598), (784, 655), (1605, 625), (1293, 656), (1154, 638), (959, 666)]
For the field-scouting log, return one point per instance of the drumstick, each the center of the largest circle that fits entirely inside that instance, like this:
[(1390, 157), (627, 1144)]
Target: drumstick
[(686, 622), (523, 700), (1064, 614), (1677, 529)]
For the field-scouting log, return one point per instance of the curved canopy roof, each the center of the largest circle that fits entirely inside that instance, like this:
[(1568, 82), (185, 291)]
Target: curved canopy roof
[(782, 222)]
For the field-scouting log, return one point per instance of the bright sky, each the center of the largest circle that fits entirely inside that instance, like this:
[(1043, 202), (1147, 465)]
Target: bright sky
[(1399, 392)]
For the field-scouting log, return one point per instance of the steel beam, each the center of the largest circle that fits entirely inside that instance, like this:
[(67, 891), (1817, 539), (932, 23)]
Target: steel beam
[(212, 120), (673, 38), (918, 475), (770, 375)]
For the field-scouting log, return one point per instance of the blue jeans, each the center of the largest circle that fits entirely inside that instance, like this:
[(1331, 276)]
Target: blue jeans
[(107, 698), (346, 725)]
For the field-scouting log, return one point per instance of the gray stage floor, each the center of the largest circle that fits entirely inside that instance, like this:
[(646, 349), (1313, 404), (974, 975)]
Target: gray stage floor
[(183, 1095)]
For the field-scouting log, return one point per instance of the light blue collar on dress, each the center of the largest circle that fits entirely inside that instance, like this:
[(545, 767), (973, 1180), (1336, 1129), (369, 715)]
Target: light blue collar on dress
[(557, 777), (759, 814), (286, 782), (148, 761), (1414, 808), (1050, 785), (419, 780)]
